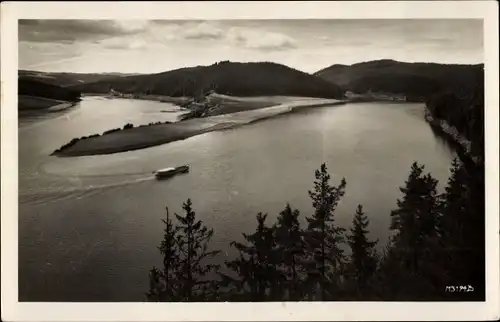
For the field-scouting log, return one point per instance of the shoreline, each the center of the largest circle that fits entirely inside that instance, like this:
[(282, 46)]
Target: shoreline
[(453, 135), (154, 98), (144, 136), (62, 106), (214, 97)]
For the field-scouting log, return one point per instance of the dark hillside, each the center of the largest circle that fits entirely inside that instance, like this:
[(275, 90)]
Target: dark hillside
[(67, 79), (414, 87), (30, 87), (411, 79), (463, 110), (237, 79)]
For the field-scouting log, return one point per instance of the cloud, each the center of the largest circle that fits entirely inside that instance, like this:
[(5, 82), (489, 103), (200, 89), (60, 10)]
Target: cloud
[(168, 30), (123, 43), (73, 30), (135, 34), (130, 26), (203, 30), (254, 39)]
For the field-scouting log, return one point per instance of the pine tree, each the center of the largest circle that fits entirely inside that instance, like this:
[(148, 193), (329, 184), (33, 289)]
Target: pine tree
[(185, 250), (323, 236), (476, 224), (193, 242), (363, 256), (163, 285), (455, 205), (291, 249), (416, 218), (462, 225), (256, 266)]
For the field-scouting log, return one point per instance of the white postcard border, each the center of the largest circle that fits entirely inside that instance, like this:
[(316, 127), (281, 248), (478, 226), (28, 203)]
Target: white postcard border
[(12, 310)]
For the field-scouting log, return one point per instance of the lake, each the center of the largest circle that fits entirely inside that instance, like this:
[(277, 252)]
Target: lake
[(89, 226)]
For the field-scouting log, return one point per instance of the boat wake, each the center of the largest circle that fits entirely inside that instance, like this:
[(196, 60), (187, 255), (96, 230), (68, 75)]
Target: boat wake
[(65, 191)]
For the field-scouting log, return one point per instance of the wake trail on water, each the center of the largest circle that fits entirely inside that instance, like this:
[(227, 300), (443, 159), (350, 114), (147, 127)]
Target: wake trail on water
[(81, 177), (60, 193)]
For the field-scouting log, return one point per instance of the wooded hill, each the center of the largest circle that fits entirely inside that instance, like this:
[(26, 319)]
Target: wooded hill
[(67, 79), (30, 87), (418, 81), (229, 78)]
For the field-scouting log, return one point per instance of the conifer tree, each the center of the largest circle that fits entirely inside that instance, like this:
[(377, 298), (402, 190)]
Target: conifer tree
[(363, 256), (291, 251), (415, 220), (256, 266), (185, 250), (163, 284), (462, 225), (323, 236), (476, 223), (193, 241), (455, 205)]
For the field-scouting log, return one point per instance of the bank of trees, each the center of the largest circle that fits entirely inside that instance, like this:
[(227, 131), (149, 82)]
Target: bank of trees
[(437, 240), (463, 108), (32, 87)]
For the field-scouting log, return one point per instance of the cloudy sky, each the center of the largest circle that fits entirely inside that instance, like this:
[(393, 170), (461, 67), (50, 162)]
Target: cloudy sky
[(309, 45)]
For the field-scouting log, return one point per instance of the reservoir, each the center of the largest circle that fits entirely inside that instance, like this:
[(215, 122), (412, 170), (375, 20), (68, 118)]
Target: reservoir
[(89, 226)]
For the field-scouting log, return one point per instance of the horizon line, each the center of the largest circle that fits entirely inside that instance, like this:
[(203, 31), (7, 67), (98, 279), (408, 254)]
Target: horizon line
[(255, 62)]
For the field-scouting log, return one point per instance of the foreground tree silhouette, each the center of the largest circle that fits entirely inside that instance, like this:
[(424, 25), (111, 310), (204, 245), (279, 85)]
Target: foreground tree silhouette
[(363, 262), (462, 226), (163, 285), (416, 217), (409, 269), (185, 251), (291, 252), (257, 277), (456, 208), (323, 236)]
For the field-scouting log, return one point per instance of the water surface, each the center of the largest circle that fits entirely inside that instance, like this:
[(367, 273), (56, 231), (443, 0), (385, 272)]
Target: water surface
[(89, 226)]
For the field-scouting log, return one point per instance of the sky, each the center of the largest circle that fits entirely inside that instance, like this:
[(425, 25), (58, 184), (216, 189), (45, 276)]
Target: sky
[(151, 46)]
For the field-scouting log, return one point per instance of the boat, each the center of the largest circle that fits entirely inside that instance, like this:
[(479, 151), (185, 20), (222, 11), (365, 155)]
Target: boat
[(169, 172)]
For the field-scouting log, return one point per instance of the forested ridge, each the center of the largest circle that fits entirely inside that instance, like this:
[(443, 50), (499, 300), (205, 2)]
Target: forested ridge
[(67, 79), (417, 81), (30, 87), (229, 78)]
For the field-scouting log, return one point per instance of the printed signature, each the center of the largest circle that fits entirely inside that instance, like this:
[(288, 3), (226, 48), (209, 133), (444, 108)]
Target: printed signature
[(459, 288)]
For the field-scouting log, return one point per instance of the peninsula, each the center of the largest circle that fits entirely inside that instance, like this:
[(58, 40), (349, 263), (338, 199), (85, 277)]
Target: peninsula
[(134, 138)]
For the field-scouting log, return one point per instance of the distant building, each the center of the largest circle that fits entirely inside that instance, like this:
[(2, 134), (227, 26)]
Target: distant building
[(350, 94), (377, 96)]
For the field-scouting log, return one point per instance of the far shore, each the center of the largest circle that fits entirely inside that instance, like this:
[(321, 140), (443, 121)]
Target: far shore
[(157, 98), (35, 103), (144, 136), (214, 97)]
